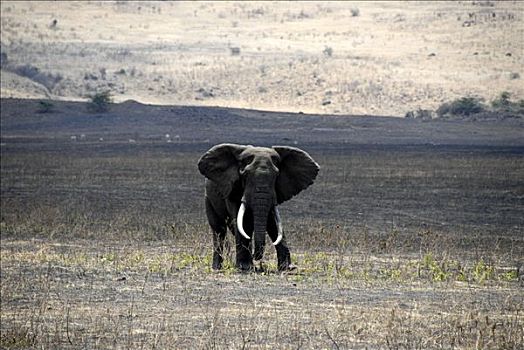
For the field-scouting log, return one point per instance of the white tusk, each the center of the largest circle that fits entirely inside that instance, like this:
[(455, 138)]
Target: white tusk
[(279, 226), (240, 220)]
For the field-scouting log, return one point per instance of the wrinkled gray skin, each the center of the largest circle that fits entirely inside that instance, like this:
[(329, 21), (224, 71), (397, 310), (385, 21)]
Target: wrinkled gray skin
[(262, 178)]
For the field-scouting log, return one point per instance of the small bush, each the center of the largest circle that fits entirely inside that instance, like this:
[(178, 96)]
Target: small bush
[(500, 108), (100, 102), (503, 104), (503, 101), (328, 51), (355, 12), (48, 80), (45, 107), (235, 51), (26, 70), (464, 106)]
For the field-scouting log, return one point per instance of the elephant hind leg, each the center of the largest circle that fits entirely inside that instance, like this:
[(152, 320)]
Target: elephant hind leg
[(218, 225)]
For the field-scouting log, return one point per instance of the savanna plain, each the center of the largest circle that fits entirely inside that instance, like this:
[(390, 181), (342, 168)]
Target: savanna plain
[(411, 237), (407, 242)]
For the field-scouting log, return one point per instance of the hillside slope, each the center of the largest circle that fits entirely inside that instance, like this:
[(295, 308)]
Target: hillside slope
[(376, 58)]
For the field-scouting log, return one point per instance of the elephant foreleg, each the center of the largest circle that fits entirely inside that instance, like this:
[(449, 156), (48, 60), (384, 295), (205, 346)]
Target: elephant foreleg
[(218, 248), (219, 228), (283, 254), (244, 259)]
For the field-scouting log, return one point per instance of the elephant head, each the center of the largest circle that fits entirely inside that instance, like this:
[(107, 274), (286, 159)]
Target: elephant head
[(258, 178)]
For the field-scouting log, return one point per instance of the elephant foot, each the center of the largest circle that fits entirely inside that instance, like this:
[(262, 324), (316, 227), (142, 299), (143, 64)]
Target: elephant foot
[(288, 267), (217, 262), (245, 266)]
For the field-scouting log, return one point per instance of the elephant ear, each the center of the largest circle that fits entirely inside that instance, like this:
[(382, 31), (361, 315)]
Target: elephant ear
[(297, 171), (220, 165)]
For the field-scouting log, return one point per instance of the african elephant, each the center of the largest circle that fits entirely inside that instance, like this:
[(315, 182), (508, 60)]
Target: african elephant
[(243, 188)]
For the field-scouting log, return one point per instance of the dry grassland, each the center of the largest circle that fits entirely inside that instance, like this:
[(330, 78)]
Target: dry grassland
[(85, 295), (379, 58)]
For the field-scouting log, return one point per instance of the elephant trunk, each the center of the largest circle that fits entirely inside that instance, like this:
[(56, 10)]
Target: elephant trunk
[(261, 205), (260, 239)]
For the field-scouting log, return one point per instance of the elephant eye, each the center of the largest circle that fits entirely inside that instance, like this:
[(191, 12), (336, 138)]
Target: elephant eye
[(247, 160)]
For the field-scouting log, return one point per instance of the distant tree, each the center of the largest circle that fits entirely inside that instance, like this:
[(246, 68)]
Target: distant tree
[(100, 102)]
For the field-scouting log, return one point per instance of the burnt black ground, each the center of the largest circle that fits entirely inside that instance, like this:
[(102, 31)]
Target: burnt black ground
[(200, 126), (378, 173)]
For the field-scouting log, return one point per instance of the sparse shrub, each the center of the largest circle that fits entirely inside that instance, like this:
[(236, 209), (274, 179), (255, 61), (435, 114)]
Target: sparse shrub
[(503, 101), (256, 13), (205, 92), (514, 76), (355, 12), (45, 106), (303, 15), (500, 108), (464, 106), (503, 104), (482, 272), (235, 51), (509, 276), (26, 70), (328, 51), (48, 80), (100, 102), (438, 270)]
